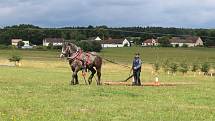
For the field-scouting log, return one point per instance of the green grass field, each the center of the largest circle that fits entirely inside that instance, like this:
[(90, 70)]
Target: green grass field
[(40, 90), (151, 55)]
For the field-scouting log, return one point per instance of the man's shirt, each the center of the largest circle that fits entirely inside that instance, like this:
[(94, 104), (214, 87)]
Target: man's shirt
[(137, 63)]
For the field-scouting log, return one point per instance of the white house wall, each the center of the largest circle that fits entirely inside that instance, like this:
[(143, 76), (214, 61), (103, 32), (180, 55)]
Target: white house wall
[(54, 44), (26, 43), (150, 44), (57, 44), (190, 44), (16, 41), (112, 45), (45, 44), (181, 44), (199, 42), (126, 42)]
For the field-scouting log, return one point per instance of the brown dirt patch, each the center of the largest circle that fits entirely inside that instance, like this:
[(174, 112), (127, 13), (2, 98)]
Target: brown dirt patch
[(147, 83)]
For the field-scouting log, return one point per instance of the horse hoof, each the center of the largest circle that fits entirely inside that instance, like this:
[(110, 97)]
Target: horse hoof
[(72, 83), (99, 84)]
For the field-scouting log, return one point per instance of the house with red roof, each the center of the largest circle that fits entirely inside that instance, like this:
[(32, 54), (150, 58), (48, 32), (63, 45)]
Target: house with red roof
[(189, 41), (53, 41), (150, 42)]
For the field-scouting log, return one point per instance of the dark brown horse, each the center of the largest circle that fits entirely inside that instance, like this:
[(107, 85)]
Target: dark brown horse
[(79, 60)]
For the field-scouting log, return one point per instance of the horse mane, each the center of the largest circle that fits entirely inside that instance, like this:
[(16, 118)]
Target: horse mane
[(72, 46)]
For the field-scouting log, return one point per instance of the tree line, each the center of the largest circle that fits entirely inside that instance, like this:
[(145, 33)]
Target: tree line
[(36, 34)]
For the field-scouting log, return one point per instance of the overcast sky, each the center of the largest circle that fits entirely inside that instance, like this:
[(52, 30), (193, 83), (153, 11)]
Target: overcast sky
[(115, 13)]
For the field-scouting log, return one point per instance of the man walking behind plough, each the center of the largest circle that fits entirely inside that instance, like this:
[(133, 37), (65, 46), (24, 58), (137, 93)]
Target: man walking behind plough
[(137, 63)]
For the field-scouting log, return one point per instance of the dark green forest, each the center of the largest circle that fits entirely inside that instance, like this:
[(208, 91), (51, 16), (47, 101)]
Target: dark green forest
[(36, 34)]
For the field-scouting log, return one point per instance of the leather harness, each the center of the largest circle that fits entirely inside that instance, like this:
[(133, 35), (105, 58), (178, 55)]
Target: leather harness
[(78, 55)]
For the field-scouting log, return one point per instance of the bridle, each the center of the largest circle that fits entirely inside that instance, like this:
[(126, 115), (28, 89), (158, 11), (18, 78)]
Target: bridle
[(68, 52)]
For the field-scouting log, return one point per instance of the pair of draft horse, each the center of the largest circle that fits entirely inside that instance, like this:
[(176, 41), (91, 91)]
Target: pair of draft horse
[(79, 60)]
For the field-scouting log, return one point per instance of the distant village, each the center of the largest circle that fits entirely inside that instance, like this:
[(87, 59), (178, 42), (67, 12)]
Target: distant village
[(191, 41)]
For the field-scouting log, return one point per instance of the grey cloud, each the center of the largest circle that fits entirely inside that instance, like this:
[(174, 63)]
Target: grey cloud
[(178, 13)]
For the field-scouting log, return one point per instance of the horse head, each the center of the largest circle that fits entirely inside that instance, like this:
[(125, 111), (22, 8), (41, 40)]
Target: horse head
[(68, 49)]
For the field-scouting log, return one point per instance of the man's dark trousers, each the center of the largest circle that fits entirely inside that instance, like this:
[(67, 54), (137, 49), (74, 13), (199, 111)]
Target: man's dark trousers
[(137, 77)]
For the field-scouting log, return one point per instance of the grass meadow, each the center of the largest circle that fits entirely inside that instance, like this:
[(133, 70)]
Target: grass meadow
[(39, 89)]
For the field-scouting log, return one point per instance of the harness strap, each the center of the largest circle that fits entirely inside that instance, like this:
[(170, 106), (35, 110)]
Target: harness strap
[(76, 55), (86, 59), (79, 55)]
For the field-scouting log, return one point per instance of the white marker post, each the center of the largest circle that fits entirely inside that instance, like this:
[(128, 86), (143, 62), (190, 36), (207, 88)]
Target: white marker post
[(157, 81)]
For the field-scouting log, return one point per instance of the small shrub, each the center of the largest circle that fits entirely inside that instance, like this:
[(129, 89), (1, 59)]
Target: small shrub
[(177, 45), (58, 47), (20, 44), (11, 47), (15, 58), (85, 45), (156, 67), (195, 67), (184, 68), (200, 46), (126, 45), (205, 67), (173, 68), (184, 45), (96, 46), (164, 41), (166, 66), (50, 46), (90, 45)]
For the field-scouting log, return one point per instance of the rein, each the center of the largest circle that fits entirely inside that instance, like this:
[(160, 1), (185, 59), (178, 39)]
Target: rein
[(113, 62)]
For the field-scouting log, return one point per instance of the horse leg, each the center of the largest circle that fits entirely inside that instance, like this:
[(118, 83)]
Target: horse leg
[(75, 75), (93, 71), (98, 65), (99, 76), (72, 80), (76, 79)]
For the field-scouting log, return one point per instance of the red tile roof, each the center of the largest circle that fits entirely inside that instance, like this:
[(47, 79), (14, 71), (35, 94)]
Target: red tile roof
[(184, 39), (151, 41), (112, 41), (54, 40)]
